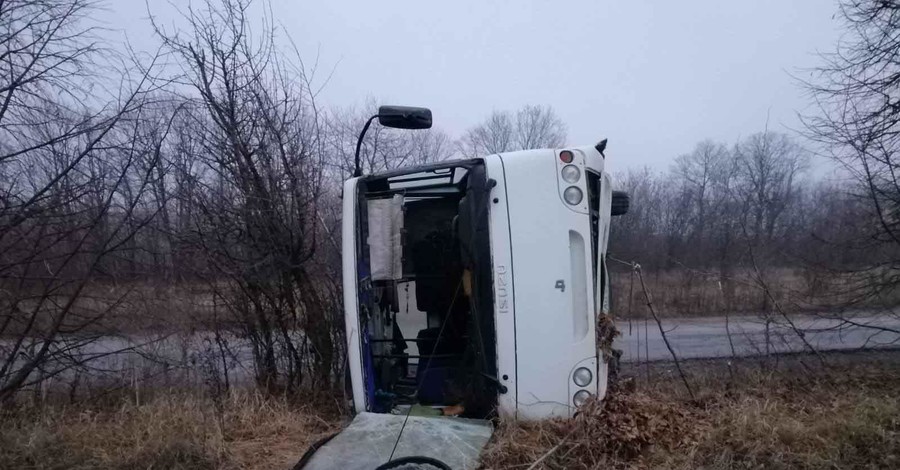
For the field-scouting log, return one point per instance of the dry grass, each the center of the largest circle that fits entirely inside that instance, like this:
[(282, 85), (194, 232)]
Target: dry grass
[(244, 430), (686, 292), (118, 308), (782, 418), (610, 434), (840, 431), (748, 415)]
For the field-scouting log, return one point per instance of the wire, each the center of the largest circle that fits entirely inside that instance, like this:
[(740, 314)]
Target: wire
[(630, 305), (427, 365), (487, 191)]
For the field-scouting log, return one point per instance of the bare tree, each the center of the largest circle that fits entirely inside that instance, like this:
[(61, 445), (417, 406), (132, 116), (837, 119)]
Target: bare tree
[(641, 234), (530, 127), (857, 90), (695, 227), (539, 127), (769, 166), (257, 180), (70, 190), (383, 148), (704, 173)]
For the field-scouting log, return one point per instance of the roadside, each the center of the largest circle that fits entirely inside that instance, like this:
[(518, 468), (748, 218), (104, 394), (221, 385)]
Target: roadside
[(783, 412), (174, 430), (787, 412), (167, 360), (753, 335)]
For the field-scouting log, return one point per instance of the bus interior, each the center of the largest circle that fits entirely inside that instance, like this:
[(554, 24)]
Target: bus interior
[(425, 291)]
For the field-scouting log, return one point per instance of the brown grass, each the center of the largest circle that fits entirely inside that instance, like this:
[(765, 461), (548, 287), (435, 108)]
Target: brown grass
[(685, 292), (245, 430), (791, 414), (781, 418), (119, 308), (610, 434)]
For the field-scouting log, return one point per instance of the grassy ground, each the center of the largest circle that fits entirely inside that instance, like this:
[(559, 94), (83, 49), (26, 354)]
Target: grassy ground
[(794, 413), (242, 430), (747, 415)]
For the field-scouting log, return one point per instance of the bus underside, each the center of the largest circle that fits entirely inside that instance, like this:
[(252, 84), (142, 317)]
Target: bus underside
[(425, 291)]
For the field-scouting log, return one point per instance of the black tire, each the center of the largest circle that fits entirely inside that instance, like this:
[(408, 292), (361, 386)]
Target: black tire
[(414, 462)]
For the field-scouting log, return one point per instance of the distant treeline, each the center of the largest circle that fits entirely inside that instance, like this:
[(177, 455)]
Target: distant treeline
[(720, 207)]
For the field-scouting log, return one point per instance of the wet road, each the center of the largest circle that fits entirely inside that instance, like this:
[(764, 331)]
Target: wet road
[(193, 356), (709, 337)]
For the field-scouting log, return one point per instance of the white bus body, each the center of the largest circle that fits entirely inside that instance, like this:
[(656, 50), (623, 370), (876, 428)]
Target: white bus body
[(540, 267)]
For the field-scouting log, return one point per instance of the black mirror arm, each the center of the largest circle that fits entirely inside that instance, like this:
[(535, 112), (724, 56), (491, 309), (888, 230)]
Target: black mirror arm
[(357, 171)]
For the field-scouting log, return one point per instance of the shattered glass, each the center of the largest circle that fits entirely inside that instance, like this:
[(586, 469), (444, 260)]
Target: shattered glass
[(369, 439)]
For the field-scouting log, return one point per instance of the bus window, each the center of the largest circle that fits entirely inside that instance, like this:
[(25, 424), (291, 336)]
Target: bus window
[(593, 187)]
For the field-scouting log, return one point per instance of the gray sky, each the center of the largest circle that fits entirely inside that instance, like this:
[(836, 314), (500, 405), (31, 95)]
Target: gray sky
[(653, 77)]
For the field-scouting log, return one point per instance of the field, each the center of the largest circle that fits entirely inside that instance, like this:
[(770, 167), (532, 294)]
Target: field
[(793, 413), (685, 292)]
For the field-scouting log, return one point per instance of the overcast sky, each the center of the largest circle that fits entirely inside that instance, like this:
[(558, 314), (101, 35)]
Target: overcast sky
[(654, 77)]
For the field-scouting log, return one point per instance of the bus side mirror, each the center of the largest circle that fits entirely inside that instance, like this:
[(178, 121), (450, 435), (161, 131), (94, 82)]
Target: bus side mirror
[(620, 203), (404, 117)]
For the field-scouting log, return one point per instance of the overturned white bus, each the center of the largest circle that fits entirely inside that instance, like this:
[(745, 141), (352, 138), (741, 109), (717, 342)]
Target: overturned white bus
[(472, 290), (473, 287)]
